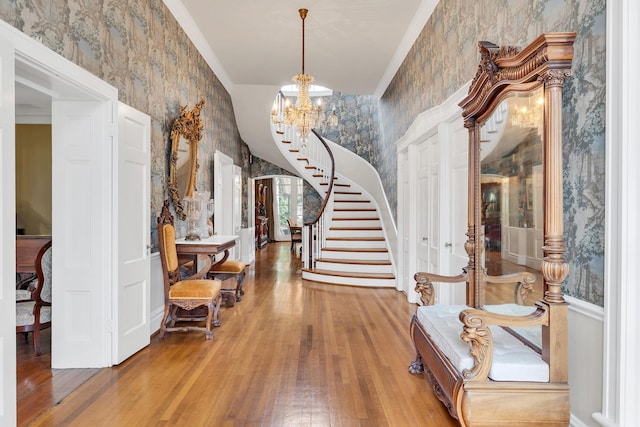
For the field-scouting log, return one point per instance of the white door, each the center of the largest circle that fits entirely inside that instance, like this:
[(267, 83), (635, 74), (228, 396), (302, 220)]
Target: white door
[(237, 199), (81, 226), (428, 214), (7, 236), (223, 184), (132, 201), (456, 189)]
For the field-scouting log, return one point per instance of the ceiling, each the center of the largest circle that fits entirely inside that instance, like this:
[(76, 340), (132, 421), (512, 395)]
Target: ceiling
[(255, 47)]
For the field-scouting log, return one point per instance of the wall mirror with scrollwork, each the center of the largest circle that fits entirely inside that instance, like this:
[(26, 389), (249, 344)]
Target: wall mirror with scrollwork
[(186, 133)]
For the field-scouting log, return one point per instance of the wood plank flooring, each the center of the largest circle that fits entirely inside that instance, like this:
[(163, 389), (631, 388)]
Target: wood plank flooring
[(291, 353)]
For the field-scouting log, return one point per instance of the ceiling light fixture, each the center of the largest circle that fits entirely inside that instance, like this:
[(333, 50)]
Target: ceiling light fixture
[(304, 115)]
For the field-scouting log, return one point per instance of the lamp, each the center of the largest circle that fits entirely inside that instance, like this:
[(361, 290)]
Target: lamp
[(303, 115)]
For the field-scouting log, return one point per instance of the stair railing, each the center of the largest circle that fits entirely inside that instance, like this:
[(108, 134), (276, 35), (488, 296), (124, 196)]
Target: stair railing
[(315, 162)]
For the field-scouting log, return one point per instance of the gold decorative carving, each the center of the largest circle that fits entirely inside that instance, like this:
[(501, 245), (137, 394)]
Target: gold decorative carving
[(186, 132)]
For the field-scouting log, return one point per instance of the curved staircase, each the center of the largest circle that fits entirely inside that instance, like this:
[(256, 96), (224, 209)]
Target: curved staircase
[(351, 244)]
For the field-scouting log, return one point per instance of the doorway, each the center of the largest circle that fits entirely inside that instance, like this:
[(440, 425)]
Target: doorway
[(83, 223)]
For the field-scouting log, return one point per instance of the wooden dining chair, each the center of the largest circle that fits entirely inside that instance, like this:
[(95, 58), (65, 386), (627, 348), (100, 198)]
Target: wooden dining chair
[(192, 299), (34, 314), (296, 234)]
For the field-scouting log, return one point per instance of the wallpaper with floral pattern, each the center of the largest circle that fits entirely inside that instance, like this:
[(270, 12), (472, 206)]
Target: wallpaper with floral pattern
[(138, 47), (445, 57)]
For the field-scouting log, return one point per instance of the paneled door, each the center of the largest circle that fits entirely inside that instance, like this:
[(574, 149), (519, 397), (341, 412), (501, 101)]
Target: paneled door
[(81, 217), (456, 202), (7, 236), (428, 214), (132, 312)]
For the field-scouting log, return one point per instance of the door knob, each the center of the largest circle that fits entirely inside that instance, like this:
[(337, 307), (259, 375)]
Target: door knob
[(447, 245), (424, 239)]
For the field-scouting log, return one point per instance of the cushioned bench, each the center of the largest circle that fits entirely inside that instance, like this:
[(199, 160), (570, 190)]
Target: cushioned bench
[(512, 360)]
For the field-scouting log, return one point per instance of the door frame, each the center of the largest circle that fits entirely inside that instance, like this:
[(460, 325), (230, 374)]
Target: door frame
[(42, 69), (437, 120)]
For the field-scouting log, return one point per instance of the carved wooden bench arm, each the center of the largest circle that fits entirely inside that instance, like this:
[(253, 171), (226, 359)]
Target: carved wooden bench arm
[(424, 284), (476, 332), (524, 284)]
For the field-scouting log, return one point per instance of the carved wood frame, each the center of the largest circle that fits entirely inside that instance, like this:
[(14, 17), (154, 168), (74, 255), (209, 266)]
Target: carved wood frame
[(547, 62), (189, 126)]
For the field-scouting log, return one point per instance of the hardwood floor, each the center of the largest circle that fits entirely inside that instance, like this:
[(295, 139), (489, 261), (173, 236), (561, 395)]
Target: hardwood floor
[(291, 353), (38, 386)]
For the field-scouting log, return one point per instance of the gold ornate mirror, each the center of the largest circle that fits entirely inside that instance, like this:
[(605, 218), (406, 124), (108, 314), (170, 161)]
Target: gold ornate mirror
[(186, 133)]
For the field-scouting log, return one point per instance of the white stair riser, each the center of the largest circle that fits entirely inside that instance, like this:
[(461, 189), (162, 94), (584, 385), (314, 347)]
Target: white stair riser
[(344, 198), (358, 222), (355, 244), (356, 255), (352, 281), (356, 233), (352, 205), (355, 214), (355, 268)]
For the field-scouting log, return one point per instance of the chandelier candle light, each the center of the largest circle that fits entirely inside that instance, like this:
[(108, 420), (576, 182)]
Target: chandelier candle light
[(304, 115)]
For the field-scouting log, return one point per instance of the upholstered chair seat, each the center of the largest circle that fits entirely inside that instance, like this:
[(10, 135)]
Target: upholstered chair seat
[(190, 289), (230, 272), (25, 316)]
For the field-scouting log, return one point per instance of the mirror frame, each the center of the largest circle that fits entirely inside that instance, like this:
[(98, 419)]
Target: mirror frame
[(505, 70), (188, 126)]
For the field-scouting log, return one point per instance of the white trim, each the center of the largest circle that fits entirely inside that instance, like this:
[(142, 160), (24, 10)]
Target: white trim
[(622, 298), (585, 308), (189, 26), (576, 422), (416, 26)]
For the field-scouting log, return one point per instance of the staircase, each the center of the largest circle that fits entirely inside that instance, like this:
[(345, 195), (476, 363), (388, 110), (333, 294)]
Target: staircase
[(350, 244)]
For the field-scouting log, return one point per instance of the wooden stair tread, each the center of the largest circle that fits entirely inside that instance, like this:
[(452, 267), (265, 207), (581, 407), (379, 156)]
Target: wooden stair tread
[(354, 261), (353, 193), (351, 201), (351, 274), (286, 141), (370, 250), (335, 184)]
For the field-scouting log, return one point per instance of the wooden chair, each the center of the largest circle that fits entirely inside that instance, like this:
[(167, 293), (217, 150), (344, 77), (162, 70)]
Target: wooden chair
[(296, 234), (185, 300), (35, 314), (226, 270)]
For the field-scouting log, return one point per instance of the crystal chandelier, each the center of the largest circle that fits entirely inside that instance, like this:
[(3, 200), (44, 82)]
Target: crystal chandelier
[(303, 115)]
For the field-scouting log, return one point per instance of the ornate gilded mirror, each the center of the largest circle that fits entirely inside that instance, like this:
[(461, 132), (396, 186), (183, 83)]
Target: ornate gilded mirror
[(186, 133)]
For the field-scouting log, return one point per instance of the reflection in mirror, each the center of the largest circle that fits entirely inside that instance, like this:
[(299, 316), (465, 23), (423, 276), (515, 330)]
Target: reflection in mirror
[(186, 132), (511, 197), (183, 171)]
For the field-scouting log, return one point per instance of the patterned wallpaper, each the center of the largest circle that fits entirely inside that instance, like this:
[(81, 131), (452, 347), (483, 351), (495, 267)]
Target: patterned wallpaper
[(138, 47), (445, 57), (358, 127)]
